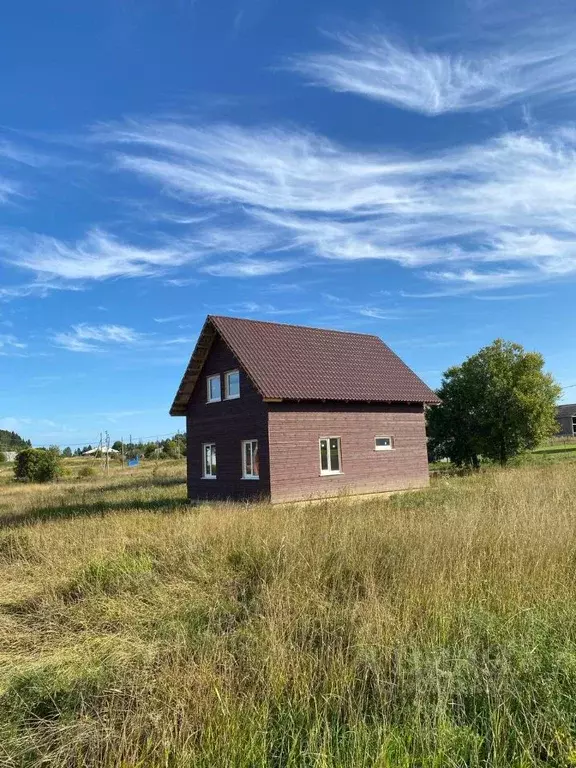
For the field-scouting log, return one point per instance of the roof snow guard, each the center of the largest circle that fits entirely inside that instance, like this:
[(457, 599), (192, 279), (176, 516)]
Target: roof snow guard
[(293, 362)]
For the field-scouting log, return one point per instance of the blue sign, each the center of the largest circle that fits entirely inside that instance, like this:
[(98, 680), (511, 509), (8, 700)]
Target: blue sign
[(134, 462)]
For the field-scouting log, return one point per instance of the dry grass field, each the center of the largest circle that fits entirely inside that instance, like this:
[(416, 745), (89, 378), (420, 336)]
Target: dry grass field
[(429, 629)]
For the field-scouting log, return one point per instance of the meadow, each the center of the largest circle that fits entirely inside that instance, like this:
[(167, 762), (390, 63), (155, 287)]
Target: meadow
[(428, 629)]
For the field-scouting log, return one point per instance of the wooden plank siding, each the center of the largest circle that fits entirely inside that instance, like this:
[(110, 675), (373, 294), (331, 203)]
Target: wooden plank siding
[(294, 434), (226, 423), (566, 425), (288, 435)]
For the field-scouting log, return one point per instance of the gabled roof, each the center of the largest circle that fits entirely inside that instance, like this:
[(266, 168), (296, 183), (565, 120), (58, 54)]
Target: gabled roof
[(294, 362), (566, 410)]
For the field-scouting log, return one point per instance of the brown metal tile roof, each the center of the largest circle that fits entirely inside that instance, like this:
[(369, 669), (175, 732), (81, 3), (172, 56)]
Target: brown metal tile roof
[(566, 410), (293, 362)]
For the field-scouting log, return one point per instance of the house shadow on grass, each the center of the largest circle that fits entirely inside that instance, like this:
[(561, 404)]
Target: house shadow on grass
[(132, 484), (96, 508), (569, 450)]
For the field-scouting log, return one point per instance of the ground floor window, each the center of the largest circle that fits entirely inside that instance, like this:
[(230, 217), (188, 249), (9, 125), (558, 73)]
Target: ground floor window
[(574, 425), (330, 456), (209, 460), (250, 460), (383, 443)]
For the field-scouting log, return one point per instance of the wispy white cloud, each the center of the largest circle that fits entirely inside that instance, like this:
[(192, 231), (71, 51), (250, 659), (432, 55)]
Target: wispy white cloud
[(249, 268), (97, 256), (91, 338), (100, 255), (537, 62), (8, 189), (482, 216), (181, 282), (256, 308), (511, 296), (10, 345), (170, 319), (364, 310), (11, 156), (84, 337), (16, 153), (40, 289)]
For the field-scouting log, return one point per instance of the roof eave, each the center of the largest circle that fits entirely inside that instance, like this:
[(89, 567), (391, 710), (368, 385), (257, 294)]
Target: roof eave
[(192, 372)]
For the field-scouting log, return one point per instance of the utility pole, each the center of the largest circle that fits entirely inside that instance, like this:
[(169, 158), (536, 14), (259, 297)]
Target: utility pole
[(107, 461)]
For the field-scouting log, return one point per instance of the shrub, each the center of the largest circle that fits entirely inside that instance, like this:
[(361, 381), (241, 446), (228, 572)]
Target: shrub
[(151, 450), (36, 465), (2, 457), (87, 471)]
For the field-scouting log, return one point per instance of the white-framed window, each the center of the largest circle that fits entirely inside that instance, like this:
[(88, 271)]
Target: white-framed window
[(213, 391), (383, 443), (574, 425), (231, 385), (330, 456), (209, 461), (250, 460)]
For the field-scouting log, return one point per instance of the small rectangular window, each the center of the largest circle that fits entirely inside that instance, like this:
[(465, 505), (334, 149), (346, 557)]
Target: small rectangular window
[(209, 461), (231, 385), (574, 425), (250, 460), (213, 388), (383, 443), (330, 456)]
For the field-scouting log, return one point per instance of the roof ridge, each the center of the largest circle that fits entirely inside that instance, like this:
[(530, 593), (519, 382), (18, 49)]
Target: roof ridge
[(295, 325)]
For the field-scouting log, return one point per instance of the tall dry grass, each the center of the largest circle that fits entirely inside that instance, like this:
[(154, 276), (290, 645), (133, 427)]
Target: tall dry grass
[(431, 629)]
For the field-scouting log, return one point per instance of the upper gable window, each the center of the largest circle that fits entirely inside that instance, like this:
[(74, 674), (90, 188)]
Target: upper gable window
[(231, 385), (213, 392)]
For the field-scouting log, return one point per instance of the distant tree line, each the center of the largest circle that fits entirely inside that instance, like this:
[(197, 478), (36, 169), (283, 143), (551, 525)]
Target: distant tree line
[(11, 441), (169, 448)]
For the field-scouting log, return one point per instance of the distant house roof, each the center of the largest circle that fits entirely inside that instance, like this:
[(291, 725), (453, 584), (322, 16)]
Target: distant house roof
[(566, 410), (100, 450), (293, 362)]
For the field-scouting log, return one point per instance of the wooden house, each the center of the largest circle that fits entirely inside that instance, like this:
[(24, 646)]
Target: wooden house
[(286, 413)]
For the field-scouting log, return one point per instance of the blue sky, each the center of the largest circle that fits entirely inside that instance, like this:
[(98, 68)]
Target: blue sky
[(404, 169)]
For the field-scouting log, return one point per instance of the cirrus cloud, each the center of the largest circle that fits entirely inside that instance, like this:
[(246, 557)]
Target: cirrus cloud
[(537, 62), (482, 215)]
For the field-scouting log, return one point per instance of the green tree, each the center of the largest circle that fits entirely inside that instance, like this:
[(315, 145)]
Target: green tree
[(172, 449), (67, 453), (117, 445), (2, 457), (180, 440), (495, 405), (11, 441), (37, 465), (150, 450)]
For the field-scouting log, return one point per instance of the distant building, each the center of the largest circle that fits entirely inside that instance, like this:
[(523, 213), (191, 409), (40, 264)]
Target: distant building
[(286, 412), (10, 455), (566, 417), (100, 451)]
